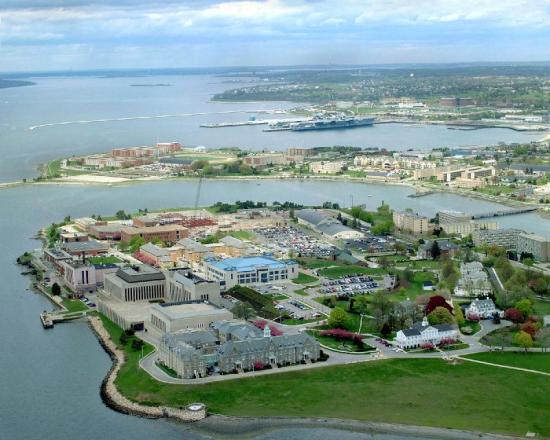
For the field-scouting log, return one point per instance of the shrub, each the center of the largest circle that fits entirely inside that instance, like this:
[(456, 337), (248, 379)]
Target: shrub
[(340, 334), (259, 365), (427, 346), (437, 301), (530, 328), (514, 315)]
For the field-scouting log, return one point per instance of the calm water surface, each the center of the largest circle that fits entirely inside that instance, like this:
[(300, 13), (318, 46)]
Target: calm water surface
[(67, 100)]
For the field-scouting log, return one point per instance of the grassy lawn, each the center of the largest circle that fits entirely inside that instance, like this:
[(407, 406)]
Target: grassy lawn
[(345, 270), (53, 168), (474, 325), (316, 263), (411, 289), (542, 307), (304, 278), (531, 361), (412, 391), (241, 235), (110, 259), (301, 292), (424, 264), (74, 305)]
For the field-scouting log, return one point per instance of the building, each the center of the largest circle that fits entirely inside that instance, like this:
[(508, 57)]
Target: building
[(67, 237), (111, 231), (136, 283), (133, 152), (171, 317), (84, 223), (326, 167), (424, 333), (326, 224), (467, 228), (81, 277), (192, 251), (446, 248), (260, 160), (299, 152), (167, 148), (154, 255), (450, 216), (506, 238), (537, 246), (56, 257), (88, 248), (184, 286), (481, 308), (249, 270), (200, 353), (165, 233), (411, 222), (473, 281)]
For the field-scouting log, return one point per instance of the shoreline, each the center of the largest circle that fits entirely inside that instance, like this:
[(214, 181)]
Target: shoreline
[(502, 200), (232, 427), (113, 399)]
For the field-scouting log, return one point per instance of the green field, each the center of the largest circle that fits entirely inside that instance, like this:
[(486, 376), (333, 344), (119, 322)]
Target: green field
[(241, 235), (111, 259), (345, 270), (412, 391), (74, 305), (541, 307), (304, 279), (315, 263), (531, 361)]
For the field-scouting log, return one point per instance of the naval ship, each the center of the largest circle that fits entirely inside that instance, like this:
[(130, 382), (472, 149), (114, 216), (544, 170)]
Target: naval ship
[(322, 124)]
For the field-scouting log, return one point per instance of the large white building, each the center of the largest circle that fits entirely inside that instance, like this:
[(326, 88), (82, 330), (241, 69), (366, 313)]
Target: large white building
[(424, 333), (184, 285), (326, 224), (481, 308), (249, 270), (136, 283)]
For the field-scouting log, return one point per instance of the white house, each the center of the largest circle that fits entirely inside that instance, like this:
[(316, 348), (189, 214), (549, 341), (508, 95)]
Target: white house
[(483, 308), (424, 333)]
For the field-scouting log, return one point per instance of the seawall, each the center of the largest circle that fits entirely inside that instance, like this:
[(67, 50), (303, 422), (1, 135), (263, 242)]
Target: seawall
[(116, 401)]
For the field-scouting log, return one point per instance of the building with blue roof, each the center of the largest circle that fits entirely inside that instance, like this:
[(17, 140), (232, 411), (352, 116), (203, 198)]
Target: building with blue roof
[(249, 270)]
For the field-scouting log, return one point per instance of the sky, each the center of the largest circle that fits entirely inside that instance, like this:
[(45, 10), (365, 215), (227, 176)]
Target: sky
[(103, 34)]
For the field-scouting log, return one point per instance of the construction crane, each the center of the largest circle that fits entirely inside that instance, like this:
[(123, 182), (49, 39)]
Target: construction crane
[(197, 196)]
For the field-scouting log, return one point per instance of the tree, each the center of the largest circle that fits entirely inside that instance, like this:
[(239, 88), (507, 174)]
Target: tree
[(435, 251), (524, 340), (437, 301), (440, 315), (137, 344), (338, 318), (56, 289), (381, 307), (525, 306), (243, 310), (459, 316), (361, 303), (385, 330), (514, 315), (121, 215)]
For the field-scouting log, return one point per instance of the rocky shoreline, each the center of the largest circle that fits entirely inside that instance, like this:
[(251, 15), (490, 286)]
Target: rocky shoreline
[(116, 401)]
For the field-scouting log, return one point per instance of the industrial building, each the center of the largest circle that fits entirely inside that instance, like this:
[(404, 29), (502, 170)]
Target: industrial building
[(136, 283)]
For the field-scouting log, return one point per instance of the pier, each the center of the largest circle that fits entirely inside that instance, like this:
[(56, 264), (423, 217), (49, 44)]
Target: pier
[(504, 212)]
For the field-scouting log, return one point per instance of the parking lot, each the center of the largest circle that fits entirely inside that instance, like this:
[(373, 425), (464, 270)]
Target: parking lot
[(287, 239), (372, 244), (349, 286)]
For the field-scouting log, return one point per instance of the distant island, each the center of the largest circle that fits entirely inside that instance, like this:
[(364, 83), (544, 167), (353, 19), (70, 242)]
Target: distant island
[(151, 85), (6, 83)]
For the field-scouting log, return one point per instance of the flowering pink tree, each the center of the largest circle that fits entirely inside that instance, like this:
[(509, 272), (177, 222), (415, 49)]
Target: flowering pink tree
[(447, 341), (427, 346), (261, 325), (472, 316), (259, 365)]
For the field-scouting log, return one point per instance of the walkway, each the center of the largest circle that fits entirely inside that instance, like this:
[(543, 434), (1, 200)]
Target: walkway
[(502, 366)]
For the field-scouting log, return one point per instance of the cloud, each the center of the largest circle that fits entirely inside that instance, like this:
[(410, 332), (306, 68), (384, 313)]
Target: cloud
[(292, 25)]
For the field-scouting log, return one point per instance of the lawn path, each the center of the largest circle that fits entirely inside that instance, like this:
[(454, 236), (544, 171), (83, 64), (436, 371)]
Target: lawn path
[(502, 366)]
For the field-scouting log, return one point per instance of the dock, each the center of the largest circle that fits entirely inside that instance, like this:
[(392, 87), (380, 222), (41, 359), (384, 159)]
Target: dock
[(46, 321)]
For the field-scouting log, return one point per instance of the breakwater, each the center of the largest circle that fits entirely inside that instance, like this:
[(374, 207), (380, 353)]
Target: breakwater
[(116, 401)]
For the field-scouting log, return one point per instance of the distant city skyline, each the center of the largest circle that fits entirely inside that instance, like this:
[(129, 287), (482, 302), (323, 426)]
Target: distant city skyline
[(42, 35)]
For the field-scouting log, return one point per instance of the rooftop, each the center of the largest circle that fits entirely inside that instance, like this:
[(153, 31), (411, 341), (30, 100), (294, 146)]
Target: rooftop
[(180, 311), (247, 264), (139, 273)]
